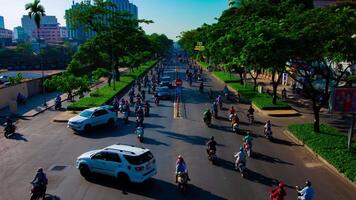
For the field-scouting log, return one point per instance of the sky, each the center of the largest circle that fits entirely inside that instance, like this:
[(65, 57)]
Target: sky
[(170, 17)]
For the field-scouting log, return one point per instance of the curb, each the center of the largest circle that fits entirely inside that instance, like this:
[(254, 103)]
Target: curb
[(320, 158)]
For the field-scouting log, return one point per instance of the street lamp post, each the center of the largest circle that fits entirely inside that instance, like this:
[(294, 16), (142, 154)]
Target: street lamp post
[(42, 72)]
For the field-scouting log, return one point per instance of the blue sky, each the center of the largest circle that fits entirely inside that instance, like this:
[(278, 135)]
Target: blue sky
[(170, 16)]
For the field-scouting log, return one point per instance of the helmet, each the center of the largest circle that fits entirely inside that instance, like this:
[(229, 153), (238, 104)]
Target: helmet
[(40, 169), (212, 137), (308, 183), (280, 184), (180, 157), (248, 133), (241, 149), (269, 121)]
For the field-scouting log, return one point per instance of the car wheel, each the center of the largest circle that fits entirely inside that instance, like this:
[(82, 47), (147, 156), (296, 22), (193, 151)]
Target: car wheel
[(84, 171), (111, 122), (123, 178), (87, 128)]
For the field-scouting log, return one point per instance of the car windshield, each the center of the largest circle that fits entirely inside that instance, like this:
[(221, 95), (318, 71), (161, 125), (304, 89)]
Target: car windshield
[(86, 113), (139, 160), (163, 89)]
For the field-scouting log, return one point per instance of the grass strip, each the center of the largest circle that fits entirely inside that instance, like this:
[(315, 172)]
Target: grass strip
[(329, 144), (104, 94), (261, 100)]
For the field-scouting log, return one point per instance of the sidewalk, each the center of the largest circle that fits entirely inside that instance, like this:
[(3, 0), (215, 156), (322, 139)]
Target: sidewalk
[(304, 106)]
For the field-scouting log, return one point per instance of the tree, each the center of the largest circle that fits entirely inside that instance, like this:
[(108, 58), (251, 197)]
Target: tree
[(67, 83), (322, 40), (35, 12), (14, 80)]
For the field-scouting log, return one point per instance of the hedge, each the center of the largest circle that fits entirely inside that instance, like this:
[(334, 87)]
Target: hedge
[(261, 100), (329, 144), (104, 94)]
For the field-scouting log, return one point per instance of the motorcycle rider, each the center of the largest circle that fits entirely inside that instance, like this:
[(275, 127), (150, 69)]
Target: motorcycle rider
[(147, 108), (268, 127), (58, 99), (215, 108), (40, 180), (226, 91), (219, 101), (201, 87), (278, 193), (181, 167), (143, 94), (235, 120), (9, 124), (306, 193), (232, 112), (211, 145), (240, 157), (248, 139)]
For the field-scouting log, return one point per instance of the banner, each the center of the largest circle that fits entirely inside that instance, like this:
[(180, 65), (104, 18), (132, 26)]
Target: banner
[(344, 100)]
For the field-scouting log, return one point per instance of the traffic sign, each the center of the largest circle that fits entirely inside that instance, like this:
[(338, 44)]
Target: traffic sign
[(179, 82)]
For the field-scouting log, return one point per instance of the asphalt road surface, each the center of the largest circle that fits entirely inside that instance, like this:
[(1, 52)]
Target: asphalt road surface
[(54, 147)]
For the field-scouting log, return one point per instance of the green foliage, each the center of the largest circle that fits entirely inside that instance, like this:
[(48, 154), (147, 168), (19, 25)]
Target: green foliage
[(100, 72), (107, 92), (14, 80), (67, 83), (263, 101), (35, 11), (330, 144)]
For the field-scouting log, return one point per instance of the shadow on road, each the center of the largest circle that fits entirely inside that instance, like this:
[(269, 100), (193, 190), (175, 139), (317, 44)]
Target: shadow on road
[(154, 115), (284, 142), (263, 157), (192, 139), (51, 197), (152, 141), (18, 136), (260, 178), (154, 189)]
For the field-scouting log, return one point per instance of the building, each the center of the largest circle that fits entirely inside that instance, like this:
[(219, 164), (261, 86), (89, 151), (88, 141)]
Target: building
[(5, 37), (80, 35), (50, 33), (19, 35), (323, 3), (234, 3), (29, 24), (63, 33), (2, 24)]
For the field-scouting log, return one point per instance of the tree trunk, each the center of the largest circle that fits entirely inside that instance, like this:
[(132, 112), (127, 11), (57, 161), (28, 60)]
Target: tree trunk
[(241, 78), (118, 75), (254, 83), (275, 86), (316, 110)]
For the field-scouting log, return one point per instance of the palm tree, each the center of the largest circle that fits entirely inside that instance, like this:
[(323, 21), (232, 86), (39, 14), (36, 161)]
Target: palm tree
[(35, 12)]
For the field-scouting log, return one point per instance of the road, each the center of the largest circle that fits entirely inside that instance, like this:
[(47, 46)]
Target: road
[(55, 148)]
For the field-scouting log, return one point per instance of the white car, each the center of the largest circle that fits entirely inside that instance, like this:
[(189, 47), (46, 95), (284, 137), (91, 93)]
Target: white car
[(93, 117), (125, 162)]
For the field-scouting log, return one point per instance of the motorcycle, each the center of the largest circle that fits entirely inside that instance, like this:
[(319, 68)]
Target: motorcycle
[(248, 149), (139, 133), (268, 134), (38, 192), (156, 101), (201, 88), (131, 99), (58, 105), (250, 118), (139, 121), (207, 121), (241, 167), (126, 117), (9, 130), (235, 128), (182, 180), (212, 156), (220, 105)]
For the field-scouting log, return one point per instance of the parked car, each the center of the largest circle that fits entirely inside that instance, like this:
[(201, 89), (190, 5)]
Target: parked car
[(93, 117), (166, 81), (164, 93), (125, 162)]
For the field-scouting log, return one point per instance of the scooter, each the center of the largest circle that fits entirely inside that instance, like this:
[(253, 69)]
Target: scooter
[(207, 121), (235, 128), (250, 118), (58, 105), (241, 167), (182, 181), (126, 117), (139, 133), (9, 130), (212, 156), (268, 134), (247, 148), (38, 192)]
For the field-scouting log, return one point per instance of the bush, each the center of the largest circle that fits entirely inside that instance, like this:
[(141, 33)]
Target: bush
[(107, 93), (330, 144), (262, 101)]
